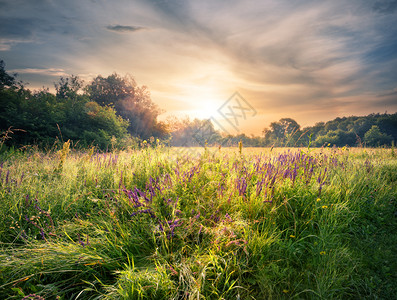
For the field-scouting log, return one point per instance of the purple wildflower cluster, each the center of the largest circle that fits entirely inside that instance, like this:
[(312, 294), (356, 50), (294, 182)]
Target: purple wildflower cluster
[(168, 227), (265, 172), (142, 200), (186, 177), (255, 176), (7, 181), (106, 159)]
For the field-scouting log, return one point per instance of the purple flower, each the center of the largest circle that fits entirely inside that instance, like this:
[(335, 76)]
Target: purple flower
[(228, 218), (259, 186), (23, 235), (80, 241), (241, 186)]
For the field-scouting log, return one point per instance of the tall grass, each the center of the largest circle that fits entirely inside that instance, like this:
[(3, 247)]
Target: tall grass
[(207, 224)]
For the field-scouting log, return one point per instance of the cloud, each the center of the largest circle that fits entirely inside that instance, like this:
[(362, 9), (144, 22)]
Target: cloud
[(47, 72), (7, 44), (124, 28), (392, 92)]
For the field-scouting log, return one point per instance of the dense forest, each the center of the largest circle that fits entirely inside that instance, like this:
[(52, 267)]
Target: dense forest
[(114, 111)]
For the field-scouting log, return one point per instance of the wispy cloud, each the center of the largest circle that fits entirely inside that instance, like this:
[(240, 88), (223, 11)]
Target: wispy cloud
[(125, 28), (6, 44), (392, 92), (47, 72)]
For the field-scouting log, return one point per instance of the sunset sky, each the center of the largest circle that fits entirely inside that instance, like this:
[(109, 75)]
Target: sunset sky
[(305, 59)]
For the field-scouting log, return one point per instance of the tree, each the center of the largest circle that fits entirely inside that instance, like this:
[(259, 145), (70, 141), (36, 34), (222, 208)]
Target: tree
[(285, 132), (374, 137), (109, 90), (336, 137), (6, 80), (131, 102), (68, 87), (193, 133)]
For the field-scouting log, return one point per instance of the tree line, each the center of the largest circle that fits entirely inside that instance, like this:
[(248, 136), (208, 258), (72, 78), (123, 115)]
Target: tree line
[(108, 111), (373, 130), (114, 111)]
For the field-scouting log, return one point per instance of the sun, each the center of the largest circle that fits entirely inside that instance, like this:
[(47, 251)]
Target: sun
[(204, 101), (207, 107)]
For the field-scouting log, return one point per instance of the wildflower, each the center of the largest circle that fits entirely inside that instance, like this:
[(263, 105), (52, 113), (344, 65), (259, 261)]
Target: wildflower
[(322, 253), (292, 236), (324, 206), (23, 235), (228, 218), (318, 200)]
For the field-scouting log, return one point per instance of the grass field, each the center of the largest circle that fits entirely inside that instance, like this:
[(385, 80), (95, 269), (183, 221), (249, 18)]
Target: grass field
[(167, 223)]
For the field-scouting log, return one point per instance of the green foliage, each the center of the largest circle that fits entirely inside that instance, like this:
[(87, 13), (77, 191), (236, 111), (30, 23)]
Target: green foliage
[(68, 87), (130, 101), (374, 137), (43, 118), (351, 131), (336, 137), (340, 132), (285, 132), (108, 108), (6, 80)]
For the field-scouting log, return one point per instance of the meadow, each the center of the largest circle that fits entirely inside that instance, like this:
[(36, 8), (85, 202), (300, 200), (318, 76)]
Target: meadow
[(178, 223)]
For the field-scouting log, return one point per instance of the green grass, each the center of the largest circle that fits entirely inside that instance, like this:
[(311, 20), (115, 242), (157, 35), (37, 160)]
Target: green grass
[(169, 223)]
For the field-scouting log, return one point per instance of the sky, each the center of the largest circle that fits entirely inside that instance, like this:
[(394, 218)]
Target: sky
[(309, 60)]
